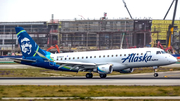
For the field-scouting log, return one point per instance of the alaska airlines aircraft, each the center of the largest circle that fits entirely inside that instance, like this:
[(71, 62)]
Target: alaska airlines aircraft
[(103, 62)]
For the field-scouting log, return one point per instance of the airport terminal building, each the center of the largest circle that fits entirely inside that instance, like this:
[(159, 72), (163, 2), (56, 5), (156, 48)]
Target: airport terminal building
[(82, 35)]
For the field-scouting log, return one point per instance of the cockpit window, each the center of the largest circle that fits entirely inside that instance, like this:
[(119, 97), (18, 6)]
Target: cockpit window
[(163, 52), (158, 52)]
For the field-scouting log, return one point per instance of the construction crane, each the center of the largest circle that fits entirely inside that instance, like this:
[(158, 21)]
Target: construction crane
[(127, 9), (171, 27)]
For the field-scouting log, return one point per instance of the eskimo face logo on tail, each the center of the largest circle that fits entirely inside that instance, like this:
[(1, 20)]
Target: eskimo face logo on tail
[(26, 45)]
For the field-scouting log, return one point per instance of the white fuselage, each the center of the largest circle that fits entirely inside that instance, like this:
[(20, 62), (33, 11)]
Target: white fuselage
[(120, 58)]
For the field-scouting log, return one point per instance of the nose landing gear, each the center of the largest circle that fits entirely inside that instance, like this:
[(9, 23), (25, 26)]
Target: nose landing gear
[(155, 74)]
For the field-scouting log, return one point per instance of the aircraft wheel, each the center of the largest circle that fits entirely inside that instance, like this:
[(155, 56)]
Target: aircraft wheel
[(155, 74), (89, 75), (102, 75)]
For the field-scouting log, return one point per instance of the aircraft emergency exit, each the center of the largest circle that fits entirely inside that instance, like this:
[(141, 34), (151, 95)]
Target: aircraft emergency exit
[(103, 62)]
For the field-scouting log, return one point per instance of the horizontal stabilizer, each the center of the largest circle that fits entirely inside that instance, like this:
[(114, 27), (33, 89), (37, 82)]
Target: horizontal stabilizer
[(18, 60)]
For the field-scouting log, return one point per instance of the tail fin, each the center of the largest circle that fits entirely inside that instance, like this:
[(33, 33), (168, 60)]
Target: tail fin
[(27, 44)]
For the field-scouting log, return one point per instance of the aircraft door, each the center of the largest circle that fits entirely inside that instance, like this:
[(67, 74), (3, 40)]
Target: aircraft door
[(148, 53), (52, 63)]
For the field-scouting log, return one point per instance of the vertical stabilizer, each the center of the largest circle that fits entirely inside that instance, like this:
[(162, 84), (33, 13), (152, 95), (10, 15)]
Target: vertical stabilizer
[(27, 44)]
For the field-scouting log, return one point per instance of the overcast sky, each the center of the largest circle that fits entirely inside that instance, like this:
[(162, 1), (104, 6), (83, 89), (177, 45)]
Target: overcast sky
[(41, 10)]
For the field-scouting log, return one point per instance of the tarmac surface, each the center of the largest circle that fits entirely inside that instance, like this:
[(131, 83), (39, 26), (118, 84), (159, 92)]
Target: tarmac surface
[(171, 78), (145, 79)]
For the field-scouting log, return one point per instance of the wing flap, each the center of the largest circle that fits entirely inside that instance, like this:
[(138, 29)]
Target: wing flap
[(75, 63)]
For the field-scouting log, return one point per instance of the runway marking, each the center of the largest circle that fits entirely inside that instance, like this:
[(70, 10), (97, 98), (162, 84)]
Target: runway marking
[(174, 75)]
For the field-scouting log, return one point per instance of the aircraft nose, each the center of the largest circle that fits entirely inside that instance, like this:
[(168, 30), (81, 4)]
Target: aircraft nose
[(173, 59)]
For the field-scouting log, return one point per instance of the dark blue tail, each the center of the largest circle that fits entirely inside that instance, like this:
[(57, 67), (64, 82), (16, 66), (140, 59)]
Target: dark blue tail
[(27, 44)]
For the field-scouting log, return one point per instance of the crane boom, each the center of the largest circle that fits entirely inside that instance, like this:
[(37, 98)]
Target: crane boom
[(172, 26), (127, 9)]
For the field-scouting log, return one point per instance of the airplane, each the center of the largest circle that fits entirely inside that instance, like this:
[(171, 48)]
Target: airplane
[(103, 61)]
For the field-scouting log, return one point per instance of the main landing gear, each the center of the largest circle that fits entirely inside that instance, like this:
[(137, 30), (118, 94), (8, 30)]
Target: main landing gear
[(155, 74), (102, 75), (89, 75)]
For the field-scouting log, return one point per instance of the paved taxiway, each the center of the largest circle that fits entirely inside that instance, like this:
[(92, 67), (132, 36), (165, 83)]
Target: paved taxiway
[(130, 79), (164, 79), (73, 81)]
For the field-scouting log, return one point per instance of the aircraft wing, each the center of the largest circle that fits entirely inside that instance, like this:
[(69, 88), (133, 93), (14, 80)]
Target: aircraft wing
[(81, 65)]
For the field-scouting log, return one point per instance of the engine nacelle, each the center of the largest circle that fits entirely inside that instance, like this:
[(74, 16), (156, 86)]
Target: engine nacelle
[(128, 70), (105, 69)]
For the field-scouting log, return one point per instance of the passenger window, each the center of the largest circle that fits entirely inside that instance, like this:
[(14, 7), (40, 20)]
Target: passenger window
[(90, 56), (100, 56), (120, 54), (61, 58), (94, 56), (124, 54), (112, 55), (86, 57), (104, 56), (158, 52), (141, 53), (107, 55), (65, 59), (129, 54), (73, 57), (69, 58), (116, 55), (82, 57), (77, 57), (137, 53)]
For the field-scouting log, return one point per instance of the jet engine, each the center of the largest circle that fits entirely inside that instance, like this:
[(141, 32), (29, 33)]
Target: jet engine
[(128, 70), (105, 69)]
